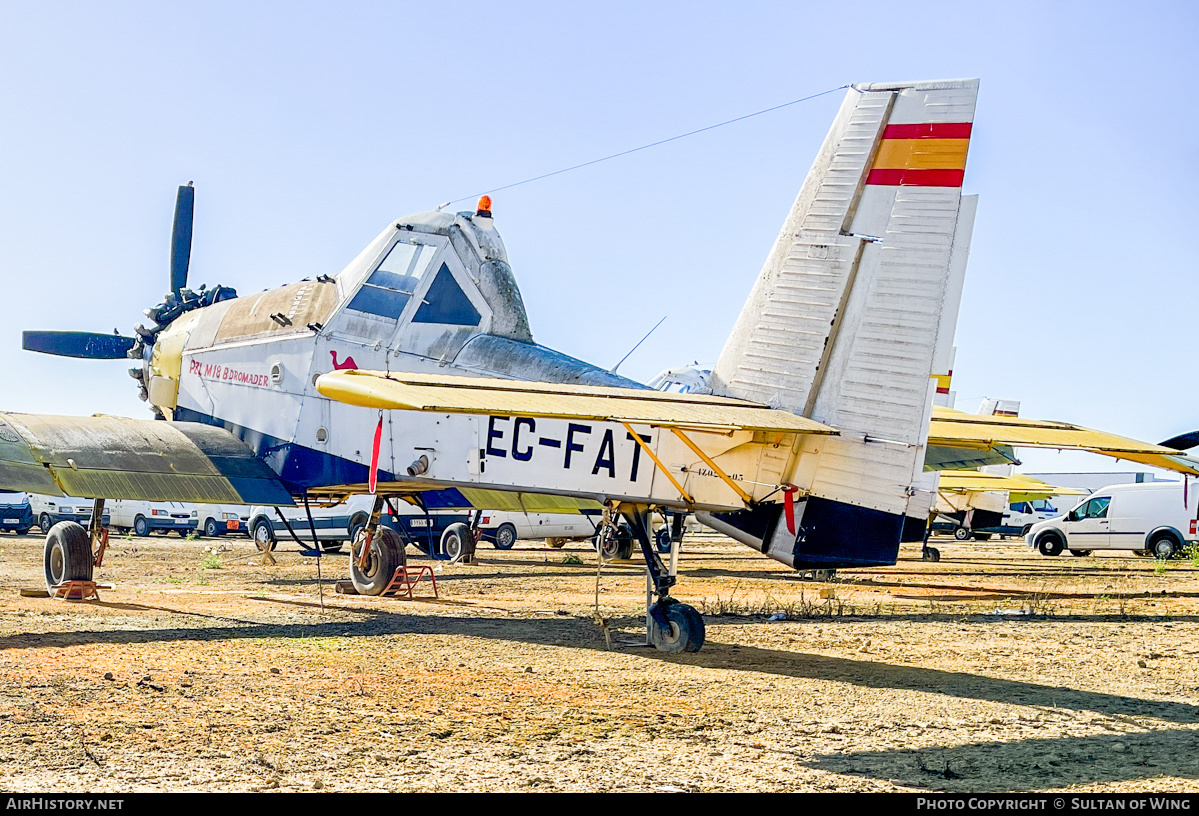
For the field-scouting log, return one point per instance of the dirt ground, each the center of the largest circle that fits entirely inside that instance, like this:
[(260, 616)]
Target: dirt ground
[(994, 670)]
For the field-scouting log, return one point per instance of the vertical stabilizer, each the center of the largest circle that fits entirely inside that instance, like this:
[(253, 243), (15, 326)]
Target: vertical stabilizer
[(855, 308)]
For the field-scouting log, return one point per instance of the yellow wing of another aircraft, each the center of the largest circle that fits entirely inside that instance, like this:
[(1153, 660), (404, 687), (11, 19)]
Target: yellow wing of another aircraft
[(955, 429), (478, 395), (1021, 488)]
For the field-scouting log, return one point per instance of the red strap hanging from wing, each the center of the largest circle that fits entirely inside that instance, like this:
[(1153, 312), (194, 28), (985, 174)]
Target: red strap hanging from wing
[(374, 477)]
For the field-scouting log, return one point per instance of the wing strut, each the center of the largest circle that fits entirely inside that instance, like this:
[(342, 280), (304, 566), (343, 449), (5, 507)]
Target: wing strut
[(745, 497), (637, 438)]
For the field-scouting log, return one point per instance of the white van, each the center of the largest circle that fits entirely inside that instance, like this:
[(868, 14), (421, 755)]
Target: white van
[(144, 517), (219, 519), (49, 510), (1151, 518)]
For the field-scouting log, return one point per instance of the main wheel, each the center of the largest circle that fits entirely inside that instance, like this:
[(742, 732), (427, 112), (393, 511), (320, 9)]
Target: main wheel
[(613, 544), (1080, 553), (682, 632), (357, 525), (662, 540), (141, 527), (1050, 544), (453, 540), (264, 536), (68, 554), (961, 533), (210, 528), (1163, 546), (981, 536), (505, 536), (332, 546), (45, 522), (385, 556)]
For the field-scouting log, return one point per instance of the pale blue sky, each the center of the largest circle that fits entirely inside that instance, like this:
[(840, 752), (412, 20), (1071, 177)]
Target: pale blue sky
[(308, 126)]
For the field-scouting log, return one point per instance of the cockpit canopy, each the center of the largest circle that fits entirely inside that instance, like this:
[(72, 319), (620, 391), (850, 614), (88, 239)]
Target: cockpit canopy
[(428, 283)]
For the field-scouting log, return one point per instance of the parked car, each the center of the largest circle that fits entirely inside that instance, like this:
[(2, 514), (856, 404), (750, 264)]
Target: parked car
[(16, 515), (1149, 518), (49, 510), (145, 517), (339, 523), (221, 519), (504, 528)]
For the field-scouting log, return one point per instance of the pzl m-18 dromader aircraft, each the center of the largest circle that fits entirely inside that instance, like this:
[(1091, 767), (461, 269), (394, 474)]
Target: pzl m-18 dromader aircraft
[(414, 372)]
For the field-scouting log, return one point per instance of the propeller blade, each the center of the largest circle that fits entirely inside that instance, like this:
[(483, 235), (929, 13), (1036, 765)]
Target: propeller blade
[(87, 345), (181, 237), (1184, 441)]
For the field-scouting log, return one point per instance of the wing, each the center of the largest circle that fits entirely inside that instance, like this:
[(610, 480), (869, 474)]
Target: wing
[(954, 429), (973, 481), (476, 395), (117, 458)]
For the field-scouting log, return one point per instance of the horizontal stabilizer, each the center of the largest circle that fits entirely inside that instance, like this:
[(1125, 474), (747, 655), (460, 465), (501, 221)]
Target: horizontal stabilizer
[(476, 395)]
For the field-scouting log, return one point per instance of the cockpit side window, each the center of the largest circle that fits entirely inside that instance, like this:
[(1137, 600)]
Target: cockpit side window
[(391, 285)]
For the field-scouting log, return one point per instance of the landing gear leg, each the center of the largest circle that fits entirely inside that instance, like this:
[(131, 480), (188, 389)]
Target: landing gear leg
[(673, 626), (928, 553), (375, 554)]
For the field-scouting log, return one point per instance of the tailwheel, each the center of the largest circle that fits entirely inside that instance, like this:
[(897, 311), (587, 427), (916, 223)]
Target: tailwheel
[(385, 556), (68, 554), (930, 554), (675, 627)]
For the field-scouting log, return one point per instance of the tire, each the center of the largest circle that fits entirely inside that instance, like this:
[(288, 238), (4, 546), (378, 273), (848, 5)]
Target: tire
[(357, 525), (183, 533), (1080, 553), (1050, 544), (556, 543), (681, 635), (386, 556), (264, 536), (68, 554), (931, 554), (505, 537), (333, 546), (981, 536), (961, 533), (662, 540), (1163, 546), (1024, 530), (210, 528), (453, 540), (614, 545), (141, 527), (698, 630), (45, 522)]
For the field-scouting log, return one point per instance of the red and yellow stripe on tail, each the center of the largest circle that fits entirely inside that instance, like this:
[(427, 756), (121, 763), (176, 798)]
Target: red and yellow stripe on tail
[(924, 155)]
